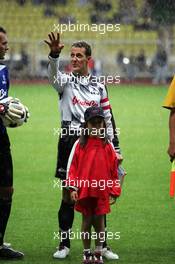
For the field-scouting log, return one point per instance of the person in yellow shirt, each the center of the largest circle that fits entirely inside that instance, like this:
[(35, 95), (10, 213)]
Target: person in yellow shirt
[(169, 103)]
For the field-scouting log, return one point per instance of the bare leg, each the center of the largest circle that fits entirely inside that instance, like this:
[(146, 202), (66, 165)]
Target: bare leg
[(86, 231), (98, 223)]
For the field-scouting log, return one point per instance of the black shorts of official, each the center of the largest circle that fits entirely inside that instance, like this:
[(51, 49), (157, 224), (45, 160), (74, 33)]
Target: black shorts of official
[(65, 145), (6, 166)]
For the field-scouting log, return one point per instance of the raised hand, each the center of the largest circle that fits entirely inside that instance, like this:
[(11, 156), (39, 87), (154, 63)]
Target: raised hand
[(54, 44)]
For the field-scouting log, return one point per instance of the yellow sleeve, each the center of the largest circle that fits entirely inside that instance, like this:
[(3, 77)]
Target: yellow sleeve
[(170, 97)]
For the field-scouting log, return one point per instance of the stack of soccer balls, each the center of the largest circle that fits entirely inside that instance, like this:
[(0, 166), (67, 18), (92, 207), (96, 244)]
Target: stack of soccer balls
[(15, 113)]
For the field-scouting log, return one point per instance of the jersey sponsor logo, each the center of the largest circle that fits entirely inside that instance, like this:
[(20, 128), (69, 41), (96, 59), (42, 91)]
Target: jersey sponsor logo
[(75, 101), (3, 93)]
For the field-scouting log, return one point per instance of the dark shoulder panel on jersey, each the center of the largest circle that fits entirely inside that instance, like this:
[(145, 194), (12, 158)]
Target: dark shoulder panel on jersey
[(4, 87), (4, 81), (115, 140)]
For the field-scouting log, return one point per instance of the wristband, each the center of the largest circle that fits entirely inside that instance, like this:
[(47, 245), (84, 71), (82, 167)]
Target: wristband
[(3, 109), (54, 55)]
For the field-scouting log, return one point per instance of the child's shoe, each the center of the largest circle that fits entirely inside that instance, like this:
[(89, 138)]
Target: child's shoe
[(109, 254), (98, 259), (87, 258)]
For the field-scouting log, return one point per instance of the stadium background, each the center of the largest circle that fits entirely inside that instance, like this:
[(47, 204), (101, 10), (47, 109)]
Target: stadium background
[(143, 26), (144, 215)]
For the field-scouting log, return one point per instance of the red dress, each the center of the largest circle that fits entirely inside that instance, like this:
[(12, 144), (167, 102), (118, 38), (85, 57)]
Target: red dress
[(93, 172)]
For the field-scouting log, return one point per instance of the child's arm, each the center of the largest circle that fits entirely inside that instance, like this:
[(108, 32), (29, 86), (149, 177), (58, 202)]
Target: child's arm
[(112, 199), (115, 190), (121, 171)]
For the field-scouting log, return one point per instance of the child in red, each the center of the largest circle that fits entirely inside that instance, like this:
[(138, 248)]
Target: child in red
[(93, 180)]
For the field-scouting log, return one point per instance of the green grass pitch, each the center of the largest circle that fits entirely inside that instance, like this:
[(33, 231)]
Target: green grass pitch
[(144, 215)]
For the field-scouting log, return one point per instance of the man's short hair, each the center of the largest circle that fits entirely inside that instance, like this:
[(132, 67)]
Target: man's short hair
[(2, 30), (83, 44)]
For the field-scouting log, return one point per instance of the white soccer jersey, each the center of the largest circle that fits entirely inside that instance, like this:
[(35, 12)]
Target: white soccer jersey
[(77, 94)]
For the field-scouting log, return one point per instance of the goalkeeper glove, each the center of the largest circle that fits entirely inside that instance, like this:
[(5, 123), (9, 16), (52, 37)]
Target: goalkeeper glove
[(27, 113), (4, 106), (11, 109), (15, 110)]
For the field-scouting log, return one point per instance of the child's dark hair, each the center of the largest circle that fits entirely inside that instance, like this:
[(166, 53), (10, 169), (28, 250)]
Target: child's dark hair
[(85, 134), (2, 30)]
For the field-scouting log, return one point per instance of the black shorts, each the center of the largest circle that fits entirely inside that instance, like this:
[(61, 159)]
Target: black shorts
[(65, 145), (6, 166)]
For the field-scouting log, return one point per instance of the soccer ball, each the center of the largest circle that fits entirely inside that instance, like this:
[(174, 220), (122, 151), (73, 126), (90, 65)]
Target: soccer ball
[(18, 114)]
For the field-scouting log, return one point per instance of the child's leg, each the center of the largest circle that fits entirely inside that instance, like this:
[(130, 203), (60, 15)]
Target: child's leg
[(105, 242), (98, 223), (86, 238), (86, 231)]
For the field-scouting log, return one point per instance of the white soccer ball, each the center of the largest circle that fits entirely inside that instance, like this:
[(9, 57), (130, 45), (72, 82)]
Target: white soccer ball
[(17, 113)]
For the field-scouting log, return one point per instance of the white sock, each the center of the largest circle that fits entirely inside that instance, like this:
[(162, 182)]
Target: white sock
[(86, 250), (98, 249)]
